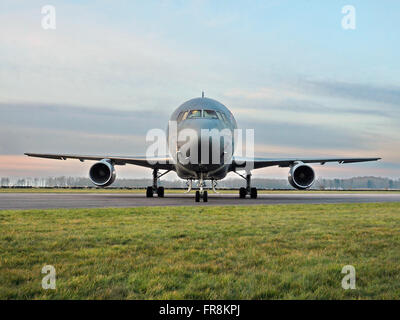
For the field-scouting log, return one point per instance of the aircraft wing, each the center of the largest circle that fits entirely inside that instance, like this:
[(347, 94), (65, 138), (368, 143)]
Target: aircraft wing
[(164, 163), (258, 163)]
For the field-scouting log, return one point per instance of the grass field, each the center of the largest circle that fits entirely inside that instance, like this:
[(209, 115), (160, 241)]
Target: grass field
[(257, 252), (143, 191)]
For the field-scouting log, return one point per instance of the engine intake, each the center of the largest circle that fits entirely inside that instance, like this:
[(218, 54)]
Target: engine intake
[(301, 176), (102, 173)]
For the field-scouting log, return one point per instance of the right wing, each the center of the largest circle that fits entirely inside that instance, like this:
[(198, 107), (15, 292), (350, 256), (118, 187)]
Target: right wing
[(164, 163), (258, 163)]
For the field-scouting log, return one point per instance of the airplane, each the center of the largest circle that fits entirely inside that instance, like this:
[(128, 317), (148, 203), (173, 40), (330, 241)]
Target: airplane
[(202, 114)]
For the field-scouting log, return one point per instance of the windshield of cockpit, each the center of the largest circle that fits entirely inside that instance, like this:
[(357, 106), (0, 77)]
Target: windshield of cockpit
[(205, 114)]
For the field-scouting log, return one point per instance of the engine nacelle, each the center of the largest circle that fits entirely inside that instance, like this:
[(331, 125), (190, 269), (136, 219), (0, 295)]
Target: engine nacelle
[(301, 176), (102, 173)]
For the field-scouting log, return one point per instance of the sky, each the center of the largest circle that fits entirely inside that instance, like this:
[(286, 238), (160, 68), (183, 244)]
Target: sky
[(112, 70)]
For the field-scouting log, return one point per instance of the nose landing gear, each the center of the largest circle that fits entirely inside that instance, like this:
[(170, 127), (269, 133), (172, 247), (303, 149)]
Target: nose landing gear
[(199, 196), (201, 193)]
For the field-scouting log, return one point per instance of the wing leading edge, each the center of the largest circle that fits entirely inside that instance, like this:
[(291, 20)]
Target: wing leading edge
[(258, 163), (164, 163)]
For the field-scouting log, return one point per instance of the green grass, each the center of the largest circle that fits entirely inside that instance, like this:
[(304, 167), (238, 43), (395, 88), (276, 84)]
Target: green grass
[(143, 191), (257, 252)]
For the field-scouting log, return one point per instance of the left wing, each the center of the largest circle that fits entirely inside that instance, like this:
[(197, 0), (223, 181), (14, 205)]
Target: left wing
[(164, 163), (258, 163)]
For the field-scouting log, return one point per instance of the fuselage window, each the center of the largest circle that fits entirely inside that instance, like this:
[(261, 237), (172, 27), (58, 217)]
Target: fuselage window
[(210, 114), (194, 114)]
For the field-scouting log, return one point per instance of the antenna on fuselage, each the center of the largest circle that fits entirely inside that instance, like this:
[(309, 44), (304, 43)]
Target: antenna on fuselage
[(202, 94)]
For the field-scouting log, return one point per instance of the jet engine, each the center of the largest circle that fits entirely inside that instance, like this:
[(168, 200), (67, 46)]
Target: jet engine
[(102, 173), (301, 176)]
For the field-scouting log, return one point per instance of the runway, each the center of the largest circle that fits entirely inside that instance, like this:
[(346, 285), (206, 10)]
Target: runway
[(108, 200)]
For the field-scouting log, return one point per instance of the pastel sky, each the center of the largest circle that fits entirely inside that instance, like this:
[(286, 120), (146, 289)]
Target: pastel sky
[(114, 69)]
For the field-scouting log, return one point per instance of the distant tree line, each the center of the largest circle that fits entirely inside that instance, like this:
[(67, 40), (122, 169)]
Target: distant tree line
[(261, 183)]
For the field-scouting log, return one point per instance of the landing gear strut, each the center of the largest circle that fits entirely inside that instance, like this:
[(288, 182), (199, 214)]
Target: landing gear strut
[(154, 188), (248, 190), (201, 193), (189, 184), (214, 186)]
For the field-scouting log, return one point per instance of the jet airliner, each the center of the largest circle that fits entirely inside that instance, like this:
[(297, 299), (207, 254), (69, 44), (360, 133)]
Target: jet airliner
[(202, 114)]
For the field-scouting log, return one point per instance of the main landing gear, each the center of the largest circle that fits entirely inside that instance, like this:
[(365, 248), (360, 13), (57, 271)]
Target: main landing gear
[(154, 188), (248, 190)]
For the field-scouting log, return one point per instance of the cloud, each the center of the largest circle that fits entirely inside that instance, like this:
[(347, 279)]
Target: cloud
[(357, 91), (85, 63), (314, 96), (304, 136), (26, 127), (67, 129), (81, 119), (298, 103), (101, 80)]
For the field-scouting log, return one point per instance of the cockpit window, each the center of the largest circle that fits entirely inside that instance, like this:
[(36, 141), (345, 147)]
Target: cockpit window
[(206, 114), (185, 115), (194, 114), (180, 116), (210, 114), (223, 117)]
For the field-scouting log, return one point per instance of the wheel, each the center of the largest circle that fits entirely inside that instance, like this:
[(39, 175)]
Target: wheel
[(242, 193), (205, 196), (160, 192), (149, 192), (253, 193), (197, 196)]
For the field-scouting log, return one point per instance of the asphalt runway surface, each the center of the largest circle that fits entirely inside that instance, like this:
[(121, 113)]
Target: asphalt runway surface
[(108, 200)]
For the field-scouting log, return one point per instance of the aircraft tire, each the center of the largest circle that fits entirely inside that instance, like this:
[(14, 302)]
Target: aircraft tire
[(149, 192), (197, 196), (160, 192), (242, 193), (253, 193), (205, 196)]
